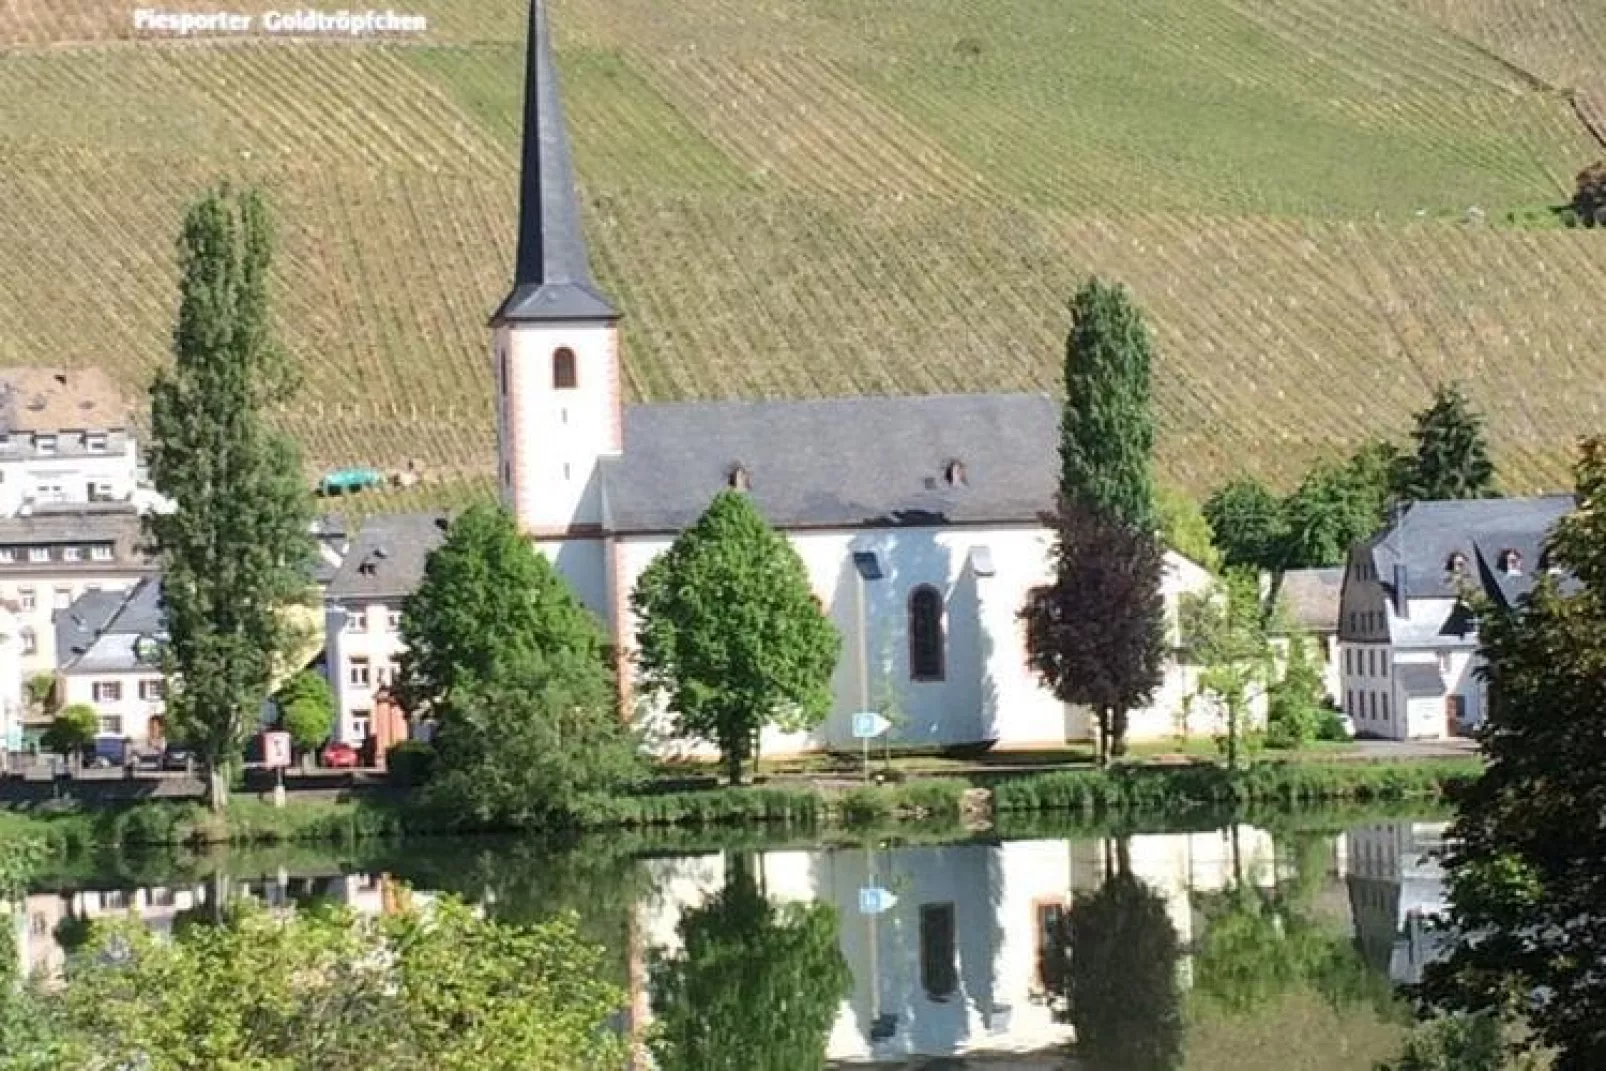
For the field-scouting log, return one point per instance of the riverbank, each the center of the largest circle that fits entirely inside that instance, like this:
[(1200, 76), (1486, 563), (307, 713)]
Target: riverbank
[(977, 801)]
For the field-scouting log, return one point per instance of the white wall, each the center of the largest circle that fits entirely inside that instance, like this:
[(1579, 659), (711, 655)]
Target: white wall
[(987, 692), (12, 703), (134, 712), (356, 632), (66, 478), (550, 439)]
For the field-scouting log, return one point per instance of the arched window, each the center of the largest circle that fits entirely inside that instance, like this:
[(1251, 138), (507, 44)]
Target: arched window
[(564, 376), (925, 634)]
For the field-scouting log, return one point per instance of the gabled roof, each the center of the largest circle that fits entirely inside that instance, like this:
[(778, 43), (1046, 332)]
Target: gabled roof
[(1426, 536), (386, 560), (552, 275), (839, 462), (101, 631), (55, 399), (1311, 598)]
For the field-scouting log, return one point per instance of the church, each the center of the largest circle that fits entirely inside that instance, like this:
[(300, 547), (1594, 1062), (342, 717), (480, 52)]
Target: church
[(918, 518)]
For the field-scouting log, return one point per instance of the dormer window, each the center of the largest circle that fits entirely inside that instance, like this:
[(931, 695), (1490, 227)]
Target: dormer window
[(45, 444), (1510, 562), (1456, 564), (95, 442), (564, 374), (954, 473), (738, 479)]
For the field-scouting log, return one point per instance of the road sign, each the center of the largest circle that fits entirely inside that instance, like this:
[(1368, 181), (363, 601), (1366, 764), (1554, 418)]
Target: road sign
[(873, 900), (868, 724), (275, 750)]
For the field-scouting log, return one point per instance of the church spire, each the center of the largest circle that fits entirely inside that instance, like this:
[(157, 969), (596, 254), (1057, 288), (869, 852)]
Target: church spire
[(552, 278)]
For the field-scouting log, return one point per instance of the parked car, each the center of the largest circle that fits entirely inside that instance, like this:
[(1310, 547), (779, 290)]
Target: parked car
[(175, 757), (339, 756)]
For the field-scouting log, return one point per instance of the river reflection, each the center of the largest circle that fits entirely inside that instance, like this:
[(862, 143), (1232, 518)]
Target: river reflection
[(1237, 947)]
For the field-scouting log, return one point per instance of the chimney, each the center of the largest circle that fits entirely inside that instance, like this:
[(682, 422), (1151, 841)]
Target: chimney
[(1400, 602)]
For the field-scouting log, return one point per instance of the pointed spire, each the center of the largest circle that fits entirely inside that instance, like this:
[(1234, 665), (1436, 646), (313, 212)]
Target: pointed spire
[(552, 278)]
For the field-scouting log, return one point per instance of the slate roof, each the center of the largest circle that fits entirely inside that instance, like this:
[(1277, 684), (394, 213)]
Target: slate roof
[(98, 633), (53, 399), (76, 524), (1427, 534), (1311, 597), (839, 462), (386, 559), (1419, 679), (552, 276)]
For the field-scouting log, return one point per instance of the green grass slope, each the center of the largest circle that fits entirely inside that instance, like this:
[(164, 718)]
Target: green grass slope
[(1325, 205)]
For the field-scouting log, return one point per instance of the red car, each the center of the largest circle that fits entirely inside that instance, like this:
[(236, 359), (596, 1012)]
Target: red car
[(339, 756)]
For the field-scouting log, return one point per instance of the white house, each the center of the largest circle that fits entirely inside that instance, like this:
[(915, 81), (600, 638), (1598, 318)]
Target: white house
[(362, 613), (1408, 643), (12, 704), (110, 648), (918, 518), (1395, 879), (65, 437), (1310, 598), (53, 554)]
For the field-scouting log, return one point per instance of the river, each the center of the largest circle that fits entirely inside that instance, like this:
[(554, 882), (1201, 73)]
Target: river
[(1272, 944)]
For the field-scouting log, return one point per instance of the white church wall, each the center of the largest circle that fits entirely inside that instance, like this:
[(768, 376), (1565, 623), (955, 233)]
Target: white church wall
[(584, 564)]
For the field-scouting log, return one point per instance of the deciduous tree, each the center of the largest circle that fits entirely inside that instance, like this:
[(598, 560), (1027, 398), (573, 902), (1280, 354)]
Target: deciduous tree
[(731, 635), (1451, 459), (235, 551), (517, 673), (1527, 858), (754, 986), (1107, 429), (1095, 636), (1185, 529), (307, 709), (1589, 195), (1225, 636), (1246, 525), (71, 730)]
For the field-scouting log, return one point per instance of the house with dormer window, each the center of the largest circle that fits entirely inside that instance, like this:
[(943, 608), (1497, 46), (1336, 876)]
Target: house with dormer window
[(1408, 640)]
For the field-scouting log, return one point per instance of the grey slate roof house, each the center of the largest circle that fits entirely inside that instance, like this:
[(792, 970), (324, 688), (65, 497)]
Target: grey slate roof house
[(109, 644), (1408, 641)]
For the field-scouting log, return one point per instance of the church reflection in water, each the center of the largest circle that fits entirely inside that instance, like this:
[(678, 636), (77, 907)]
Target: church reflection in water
[(951, 949)]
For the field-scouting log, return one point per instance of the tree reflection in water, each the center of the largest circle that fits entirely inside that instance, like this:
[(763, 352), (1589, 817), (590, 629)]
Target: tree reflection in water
[(755, 986)]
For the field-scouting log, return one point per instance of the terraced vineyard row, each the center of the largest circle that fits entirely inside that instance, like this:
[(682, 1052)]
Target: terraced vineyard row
[(812, 197)]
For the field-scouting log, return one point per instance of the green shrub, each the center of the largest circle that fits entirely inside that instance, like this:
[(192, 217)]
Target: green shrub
[(409, 764)]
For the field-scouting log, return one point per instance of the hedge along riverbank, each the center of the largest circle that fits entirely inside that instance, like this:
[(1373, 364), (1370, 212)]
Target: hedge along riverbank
[(1155, 789), (1088, 794)]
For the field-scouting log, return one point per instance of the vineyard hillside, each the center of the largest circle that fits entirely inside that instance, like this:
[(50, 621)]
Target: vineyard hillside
[(1326, 206)]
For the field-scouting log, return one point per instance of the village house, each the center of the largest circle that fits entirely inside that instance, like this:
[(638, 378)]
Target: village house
[(919, 519), (1407, 639), (65, 436), (1309, 600), (110, 645)]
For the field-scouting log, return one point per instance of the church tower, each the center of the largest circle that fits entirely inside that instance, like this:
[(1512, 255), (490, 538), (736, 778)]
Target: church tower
[(555, 337)]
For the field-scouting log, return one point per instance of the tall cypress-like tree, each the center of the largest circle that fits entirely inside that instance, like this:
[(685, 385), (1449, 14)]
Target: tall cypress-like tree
[(1095, 635), (1452, 456), (1107, 430), (235, 552)]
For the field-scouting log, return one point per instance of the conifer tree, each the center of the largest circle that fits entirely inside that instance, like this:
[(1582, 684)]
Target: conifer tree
[(1107, 429), (235, 552), (1452, 457)]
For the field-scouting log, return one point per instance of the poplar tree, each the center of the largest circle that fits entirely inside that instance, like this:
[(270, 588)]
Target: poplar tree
[(1107, 428), (1095, 634), (1452, 456), (235, 551)]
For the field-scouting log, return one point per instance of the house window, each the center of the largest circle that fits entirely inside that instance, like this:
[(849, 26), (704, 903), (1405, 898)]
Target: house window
[(72, 554), (111, 725), (501, 372), (564, 376), (107, 691), (359, 724), (1371, 663), (1456, 564), (159, 897), (152, 691), (357, 621), (1371, 705), (7, 554), (925, 634), (25, 598), (1384, 659), (1349, 702), (939, 969), (45, 444), (393, 621), (954, 473), (101, 552), (101, 491), (61, 598), (1385, 698), (95, 442), (358, 673), (738, 479), (38, 554), (30, 642)]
